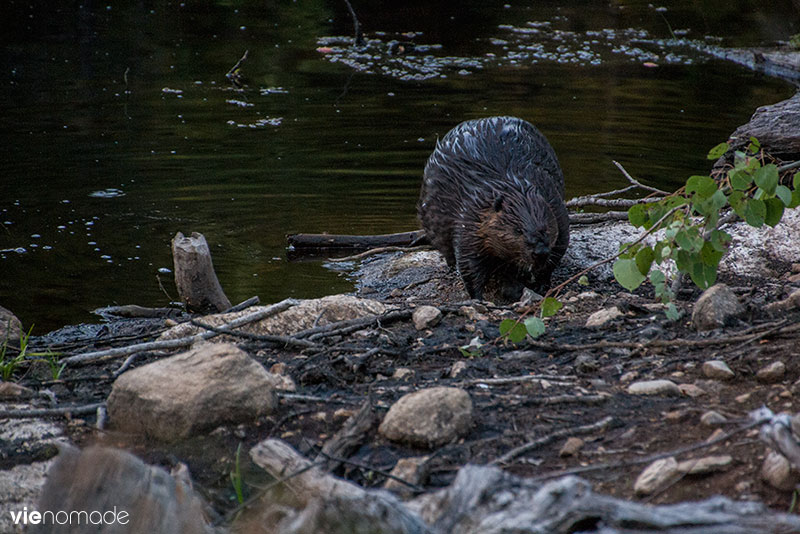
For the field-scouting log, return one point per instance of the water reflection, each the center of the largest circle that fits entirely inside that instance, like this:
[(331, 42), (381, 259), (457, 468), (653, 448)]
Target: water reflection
[(119, 128)]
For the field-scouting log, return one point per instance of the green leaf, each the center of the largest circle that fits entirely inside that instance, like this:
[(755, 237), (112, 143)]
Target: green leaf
[(755, 212), (703, 275), (550, 307), (689, 239), (718, 200), (784, 193), (774, 211), (583, 280), (796, 181), (644, 259), (512, 330), (637, 215), (710, 255), (737, 202), (720, 240), (628, 274), (795, 199), (767, 178), (657, 277), (704, 186), (718, 151), (754, 145), (672, 312), (740, 180), (534, 326)]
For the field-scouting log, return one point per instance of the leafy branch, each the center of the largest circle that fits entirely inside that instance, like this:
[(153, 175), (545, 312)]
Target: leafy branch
[(691, 220)]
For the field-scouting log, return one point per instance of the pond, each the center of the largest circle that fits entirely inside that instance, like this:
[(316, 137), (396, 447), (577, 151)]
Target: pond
[(119, 127)]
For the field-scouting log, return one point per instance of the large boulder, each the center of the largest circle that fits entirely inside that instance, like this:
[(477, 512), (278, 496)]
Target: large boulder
[(179, 396)]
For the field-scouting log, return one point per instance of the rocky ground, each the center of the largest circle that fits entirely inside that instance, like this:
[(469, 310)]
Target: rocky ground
[(611, 387), (404, 384)]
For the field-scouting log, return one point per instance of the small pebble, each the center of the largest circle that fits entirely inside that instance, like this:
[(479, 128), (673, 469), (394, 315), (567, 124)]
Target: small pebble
[(712, 418), (601, 317), (655, 476), (571, 447), (771, 373), (654, 387), (717, 369)]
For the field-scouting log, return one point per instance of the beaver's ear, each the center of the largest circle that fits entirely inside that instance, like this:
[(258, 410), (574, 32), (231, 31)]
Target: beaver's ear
[(498, 203)]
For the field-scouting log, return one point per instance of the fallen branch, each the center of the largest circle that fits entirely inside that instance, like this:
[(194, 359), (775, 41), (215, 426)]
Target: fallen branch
[(285, 341), (47, 412), (653, 457), (299, 242), (544, 440), (379, 250), (557, 379), (351, 325), (89, 357)]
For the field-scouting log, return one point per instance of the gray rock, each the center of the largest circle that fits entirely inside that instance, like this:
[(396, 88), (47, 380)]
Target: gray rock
[(426, 317), (654, 387), (571, 447), (601, 317), (718, 306), (712, 418), (776, 126), (413, 470), (705, 465), (429, 417), (176, 397), (20, 487), (655, 476), (308, 313), (771, 373), (692, 390), (717, 369), (778, 473), (139, 497), (10, 326)]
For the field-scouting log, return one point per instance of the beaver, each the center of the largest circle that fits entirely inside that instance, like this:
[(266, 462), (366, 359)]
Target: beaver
[(492, 202)]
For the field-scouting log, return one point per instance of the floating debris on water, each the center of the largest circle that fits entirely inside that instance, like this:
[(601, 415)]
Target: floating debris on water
[(260, 123), (107, 193), (528, 44), (240, 103), (172, 91), (273, 91)]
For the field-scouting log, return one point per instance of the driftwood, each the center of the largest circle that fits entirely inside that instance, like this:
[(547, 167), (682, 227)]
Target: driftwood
[(485, 500), (88, 357), (311, 242), (195, 278)]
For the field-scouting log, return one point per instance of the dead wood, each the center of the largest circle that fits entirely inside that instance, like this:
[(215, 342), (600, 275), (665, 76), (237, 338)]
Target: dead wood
[(328, 242), (350, 436), (88, 357), (195, 278), (549, 438), (486, 500), (62, 411)]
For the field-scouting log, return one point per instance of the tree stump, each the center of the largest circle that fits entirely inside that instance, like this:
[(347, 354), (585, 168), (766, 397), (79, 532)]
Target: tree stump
[(195, 278)]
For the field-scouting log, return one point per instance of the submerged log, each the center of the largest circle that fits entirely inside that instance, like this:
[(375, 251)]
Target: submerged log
[(195, 278)]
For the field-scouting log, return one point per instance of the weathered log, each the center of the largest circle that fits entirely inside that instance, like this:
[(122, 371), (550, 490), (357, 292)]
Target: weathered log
[(197, 283), (324, 504), (297, 242), (487, 500)]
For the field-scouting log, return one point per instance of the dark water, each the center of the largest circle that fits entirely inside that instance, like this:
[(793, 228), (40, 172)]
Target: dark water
[(119, 128)]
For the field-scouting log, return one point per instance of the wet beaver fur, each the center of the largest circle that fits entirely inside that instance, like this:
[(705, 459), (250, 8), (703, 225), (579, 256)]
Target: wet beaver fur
[(492, 202)]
